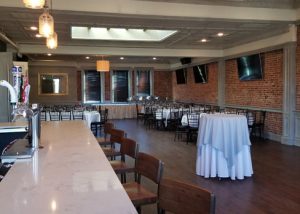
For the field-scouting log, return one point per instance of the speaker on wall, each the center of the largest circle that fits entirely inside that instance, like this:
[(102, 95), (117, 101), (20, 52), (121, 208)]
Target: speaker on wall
[(186, 60)]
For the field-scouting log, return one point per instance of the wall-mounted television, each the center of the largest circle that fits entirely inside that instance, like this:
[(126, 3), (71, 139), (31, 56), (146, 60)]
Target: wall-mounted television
[(200, 73), (181, 76), (250, 67)]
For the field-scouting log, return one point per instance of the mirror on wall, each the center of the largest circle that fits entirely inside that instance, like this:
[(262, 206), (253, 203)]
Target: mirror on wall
[(53, 84)]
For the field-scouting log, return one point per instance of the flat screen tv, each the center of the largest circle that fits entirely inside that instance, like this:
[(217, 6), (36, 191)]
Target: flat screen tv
[(250, 67), (181, 76), (200, 73)]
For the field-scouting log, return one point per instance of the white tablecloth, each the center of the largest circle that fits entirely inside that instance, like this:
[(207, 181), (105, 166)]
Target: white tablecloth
[(91, 116), (223, 147)]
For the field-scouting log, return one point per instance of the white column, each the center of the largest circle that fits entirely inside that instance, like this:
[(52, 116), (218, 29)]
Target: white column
[(289, 94)]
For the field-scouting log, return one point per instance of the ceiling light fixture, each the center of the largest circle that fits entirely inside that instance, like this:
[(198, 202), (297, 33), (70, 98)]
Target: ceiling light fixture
[(46, 23), (38, 36), (154, 58), (51, 41), (103, 65), (220, 34), (87, 57), (204, 40), (34, 4), (49, 54), (33, 28), (121, 58)]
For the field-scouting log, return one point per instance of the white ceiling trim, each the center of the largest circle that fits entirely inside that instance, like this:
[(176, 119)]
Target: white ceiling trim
[(114, 51), (164, 9), (290, 36)]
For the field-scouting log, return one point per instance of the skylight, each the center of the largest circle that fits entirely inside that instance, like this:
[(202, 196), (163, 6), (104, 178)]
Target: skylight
[(120, 34)]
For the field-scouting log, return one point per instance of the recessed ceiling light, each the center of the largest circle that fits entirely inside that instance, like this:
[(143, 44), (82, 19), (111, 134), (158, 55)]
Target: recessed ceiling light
[(154, 58), (49, 54), (203, 40), (38, 36), (220, 34), (87, 57), (121, 58), (34, 28)]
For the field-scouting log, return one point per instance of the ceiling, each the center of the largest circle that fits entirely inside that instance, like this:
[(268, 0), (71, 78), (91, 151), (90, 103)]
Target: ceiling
[(242, 22)]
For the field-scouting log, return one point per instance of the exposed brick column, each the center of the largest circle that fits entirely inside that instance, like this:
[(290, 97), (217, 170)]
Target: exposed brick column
[(289, 94)]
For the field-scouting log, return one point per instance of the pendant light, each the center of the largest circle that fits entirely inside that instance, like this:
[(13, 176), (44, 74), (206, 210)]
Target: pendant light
[(51, 41), (34, 4), (46, 23), (103, 65)]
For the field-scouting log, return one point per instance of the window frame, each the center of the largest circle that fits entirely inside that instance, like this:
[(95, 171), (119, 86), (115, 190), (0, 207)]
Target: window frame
[(83, 88), (129, 70), (136, 82)]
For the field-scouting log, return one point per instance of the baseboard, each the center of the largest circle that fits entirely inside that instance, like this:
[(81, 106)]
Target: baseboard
[(272, 136)]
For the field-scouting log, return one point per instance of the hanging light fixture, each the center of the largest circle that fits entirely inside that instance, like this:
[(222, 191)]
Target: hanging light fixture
[(46, 23), (103, 65), (34, 4), (51, 41)]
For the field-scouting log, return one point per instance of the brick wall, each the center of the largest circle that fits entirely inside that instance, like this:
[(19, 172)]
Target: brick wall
[(298, 71), (265, 93), (163, 84), (196, 92)]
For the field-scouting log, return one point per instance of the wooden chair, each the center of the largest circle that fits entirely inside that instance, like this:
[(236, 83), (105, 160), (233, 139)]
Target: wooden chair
[(128, 148), (116, 137), (103, 141), (151, 168), (178, 197)]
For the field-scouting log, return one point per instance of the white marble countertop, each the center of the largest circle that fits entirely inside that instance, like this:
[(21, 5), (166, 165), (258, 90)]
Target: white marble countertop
[(69, 175)]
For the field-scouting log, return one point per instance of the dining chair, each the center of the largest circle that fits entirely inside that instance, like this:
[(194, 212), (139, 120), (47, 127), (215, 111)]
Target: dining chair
[(103, 141), (65, 115), (193, 126), (54, 115), (256, 122), (116, 137), (151, 168), (100, 124), (178, 197), (129, 148), (77, 115), (43, 115), (139, 114)]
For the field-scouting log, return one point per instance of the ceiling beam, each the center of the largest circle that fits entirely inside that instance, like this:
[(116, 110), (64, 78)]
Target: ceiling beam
[(165, 9), (116, 51)]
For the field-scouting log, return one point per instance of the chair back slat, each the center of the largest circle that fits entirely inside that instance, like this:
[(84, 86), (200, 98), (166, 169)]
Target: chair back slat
[(149, 167), (129, 147), (179, 197), (116, 135)]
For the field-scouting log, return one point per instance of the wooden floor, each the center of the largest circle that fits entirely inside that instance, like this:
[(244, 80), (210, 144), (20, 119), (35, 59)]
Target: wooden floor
[(274, 187)]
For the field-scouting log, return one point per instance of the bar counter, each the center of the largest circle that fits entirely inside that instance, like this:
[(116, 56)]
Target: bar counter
[(69, 175)]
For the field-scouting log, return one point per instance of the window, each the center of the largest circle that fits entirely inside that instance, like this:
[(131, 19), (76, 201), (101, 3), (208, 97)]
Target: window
[(91, 86), (143, 82), (120, 85)]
